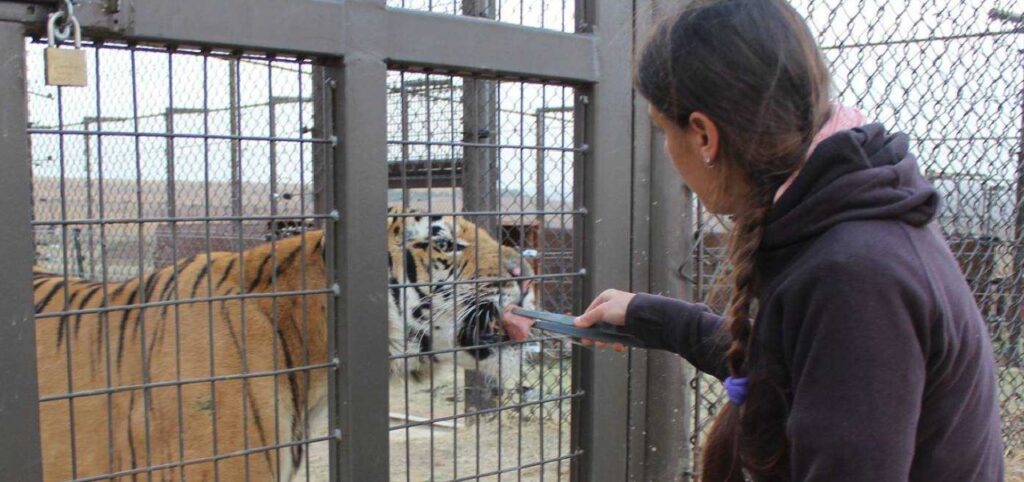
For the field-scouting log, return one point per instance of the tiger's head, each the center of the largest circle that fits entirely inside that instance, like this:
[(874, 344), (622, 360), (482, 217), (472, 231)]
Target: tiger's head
[(449, 282)]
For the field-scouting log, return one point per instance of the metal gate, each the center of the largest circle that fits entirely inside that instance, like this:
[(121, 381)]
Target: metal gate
[(272, 239), (505, 135)]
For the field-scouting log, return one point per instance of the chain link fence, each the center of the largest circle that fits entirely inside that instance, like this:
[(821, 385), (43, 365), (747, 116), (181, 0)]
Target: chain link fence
[(154, 182), (501, 154), (557, 15), (951, 75), (225, 147)]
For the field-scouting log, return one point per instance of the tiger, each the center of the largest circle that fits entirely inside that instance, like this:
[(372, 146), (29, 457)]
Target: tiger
[(210, 323)]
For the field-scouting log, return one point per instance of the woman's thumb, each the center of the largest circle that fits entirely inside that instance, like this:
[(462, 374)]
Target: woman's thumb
[(591, 317)]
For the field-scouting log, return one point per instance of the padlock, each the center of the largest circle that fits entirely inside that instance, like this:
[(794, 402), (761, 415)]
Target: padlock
[(64, 67)]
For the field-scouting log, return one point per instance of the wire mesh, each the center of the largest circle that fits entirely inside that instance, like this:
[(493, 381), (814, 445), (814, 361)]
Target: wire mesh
[(493, 161), (179, 294), (950, 75), (557, 15)]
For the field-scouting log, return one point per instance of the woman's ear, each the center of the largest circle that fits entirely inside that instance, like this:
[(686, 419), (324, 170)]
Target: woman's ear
[(705, 134)]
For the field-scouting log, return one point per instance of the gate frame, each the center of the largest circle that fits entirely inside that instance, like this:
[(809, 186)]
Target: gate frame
[(366, 38), (19, 400)]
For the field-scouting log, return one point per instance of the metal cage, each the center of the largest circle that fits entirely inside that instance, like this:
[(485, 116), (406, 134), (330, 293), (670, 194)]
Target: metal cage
[(221, 290)]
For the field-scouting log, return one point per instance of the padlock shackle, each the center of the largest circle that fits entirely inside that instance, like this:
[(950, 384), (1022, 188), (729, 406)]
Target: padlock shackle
[(51, 32)]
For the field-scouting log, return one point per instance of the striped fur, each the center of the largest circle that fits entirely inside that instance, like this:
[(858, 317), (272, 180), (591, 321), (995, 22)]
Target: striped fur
[(186, 322)]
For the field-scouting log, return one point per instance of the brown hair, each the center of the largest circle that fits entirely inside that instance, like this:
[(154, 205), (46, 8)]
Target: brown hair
[(753, 67)]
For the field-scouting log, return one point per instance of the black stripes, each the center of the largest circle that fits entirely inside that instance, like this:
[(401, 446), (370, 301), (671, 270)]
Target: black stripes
[(124, 323), (226, 273), (293, 385), (85, 304), (410, 267), (259, 272), (152, 279), (286, 263), (49, 295), (172, 281), (203, 271), (131, 437), (150, 285), (319, 246)]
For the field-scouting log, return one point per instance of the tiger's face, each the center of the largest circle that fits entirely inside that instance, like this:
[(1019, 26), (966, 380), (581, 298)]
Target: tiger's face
[(450, 281)]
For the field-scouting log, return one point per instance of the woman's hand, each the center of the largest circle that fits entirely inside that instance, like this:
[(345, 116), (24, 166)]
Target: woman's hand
[(517, 327), (609, 307)]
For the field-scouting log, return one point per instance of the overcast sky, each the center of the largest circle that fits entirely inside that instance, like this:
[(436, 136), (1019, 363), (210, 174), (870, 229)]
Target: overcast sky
[(959, 98)]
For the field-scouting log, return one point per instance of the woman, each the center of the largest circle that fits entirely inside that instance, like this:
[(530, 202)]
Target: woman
[(869, 359)]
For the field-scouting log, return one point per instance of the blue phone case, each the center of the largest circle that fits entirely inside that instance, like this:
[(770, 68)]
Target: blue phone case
[(563, 324)]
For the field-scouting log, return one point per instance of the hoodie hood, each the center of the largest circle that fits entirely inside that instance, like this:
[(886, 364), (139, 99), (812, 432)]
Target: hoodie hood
[(854, 175)]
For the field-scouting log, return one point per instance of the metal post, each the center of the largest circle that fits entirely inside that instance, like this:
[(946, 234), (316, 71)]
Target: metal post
[(171, 188), (321, 153), (76, 235), (234, 114), (480, 165), (602, 415), (479, 106), (480, 182), (359, 401), (19, 409), (662, 234), (89, 199), (667, 424)]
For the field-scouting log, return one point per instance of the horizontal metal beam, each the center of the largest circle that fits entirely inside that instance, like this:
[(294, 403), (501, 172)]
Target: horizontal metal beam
[(485, 46), (333, 28), (97, 17), (306, 26)]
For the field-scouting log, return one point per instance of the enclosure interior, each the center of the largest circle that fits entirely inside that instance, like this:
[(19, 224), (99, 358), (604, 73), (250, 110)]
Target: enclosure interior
[(151, 188), (173, 155), (501, 155)]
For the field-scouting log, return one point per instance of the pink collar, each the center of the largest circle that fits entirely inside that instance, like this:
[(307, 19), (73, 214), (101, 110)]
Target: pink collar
[(843, 118)]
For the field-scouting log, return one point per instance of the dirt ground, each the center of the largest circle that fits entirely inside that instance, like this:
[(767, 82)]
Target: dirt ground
[(492, 445), (1015, 466)]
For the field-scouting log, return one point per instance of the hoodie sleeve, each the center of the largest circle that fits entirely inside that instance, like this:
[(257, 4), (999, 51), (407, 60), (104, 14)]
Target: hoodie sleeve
[(688, 329), (858, 374)]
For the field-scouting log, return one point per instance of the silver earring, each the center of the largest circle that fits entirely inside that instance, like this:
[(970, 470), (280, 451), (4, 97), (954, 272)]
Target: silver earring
[(708, 161)]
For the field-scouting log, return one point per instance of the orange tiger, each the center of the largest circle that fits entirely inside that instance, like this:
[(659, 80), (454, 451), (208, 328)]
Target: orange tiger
[(195, 327)]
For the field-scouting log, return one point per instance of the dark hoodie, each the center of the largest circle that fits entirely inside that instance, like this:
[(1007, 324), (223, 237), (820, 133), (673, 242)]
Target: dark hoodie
[(886, 362)]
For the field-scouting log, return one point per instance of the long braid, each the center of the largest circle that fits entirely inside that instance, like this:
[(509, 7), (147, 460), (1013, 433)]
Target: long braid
[(746, 239), (721, 455)]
